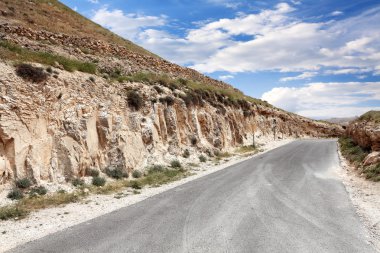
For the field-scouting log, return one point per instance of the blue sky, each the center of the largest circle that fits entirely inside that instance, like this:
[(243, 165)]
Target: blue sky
[(320, 59)]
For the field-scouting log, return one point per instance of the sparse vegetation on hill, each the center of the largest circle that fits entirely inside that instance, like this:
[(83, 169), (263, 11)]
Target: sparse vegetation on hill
[(38, 13), (16, 53), (30, 73), (373, 116)]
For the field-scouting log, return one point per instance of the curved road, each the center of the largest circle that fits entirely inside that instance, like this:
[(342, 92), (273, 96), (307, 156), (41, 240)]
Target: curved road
[(286, 200)]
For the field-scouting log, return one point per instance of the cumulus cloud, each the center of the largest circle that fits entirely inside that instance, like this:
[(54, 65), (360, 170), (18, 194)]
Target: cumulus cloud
[(305, 75), (276, 41), (226, 77), (336, 13), (325, 100), (126, 24), (226, 3), (281, 42)]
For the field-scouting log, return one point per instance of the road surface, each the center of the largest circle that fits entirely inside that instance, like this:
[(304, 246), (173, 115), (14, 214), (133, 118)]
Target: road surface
[(286, 200)]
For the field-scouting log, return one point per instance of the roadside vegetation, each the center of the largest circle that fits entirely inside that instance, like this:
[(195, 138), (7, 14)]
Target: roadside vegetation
[(356, 155), (39, 199), (351, 151)]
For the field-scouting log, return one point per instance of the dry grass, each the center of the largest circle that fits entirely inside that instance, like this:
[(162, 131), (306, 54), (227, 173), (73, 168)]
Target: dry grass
[(247, 149)]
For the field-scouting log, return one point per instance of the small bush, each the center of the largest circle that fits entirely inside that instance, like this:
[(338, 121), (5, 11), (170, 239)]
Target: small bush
[(116, 173), (77, 182), (135, 184), (202, 159), (23, 183), (158, 89), (92, 79), (134, 100), (372, 172), (93, 172), (11, 212), (136, 174), (169, 100), (186, 153), (175, 164), (49, 70), (193, 140), (40, 190), (30, 73), (156, 168), (98, 181), (15, 194)]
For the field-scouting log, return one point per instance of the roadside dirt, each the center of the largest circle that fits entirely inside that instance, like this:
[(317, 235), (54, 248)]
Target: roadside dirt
[(365, 196)]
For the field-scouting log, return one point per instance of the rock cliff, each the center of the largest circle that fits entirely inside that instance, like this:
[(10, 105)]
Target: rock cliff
[(98, 114), (365, 131)]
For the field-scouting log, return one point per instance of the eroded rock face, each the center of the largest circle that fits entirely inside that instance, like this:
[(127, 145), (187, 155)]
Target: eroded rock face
[(366, 134), (56, 130)]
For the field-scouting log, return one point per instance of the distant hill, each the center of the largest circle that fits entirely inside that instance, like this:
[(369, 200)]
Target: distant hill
[(341, 121)]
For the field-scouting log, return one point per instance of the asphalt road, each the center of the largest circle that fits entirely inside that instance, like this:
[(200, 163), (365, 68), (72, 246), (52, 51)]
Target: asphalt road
[(286, 200)]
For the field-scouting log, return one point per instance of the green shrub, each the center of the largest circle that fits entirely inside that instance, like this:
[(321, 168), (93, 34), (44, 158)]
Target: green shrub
[(31, 73), (156, 168), (202, 158), (77, 182), (12, 212), (98, 181), (116, 173), (175, 164), (23, 183), (372, 172), (39, 190), (135, 184), (158, 89), (169, 100), (351, 151), (193, 140), (134, 100), (136, 174), (93, 172), (15, 194), (186, 153)]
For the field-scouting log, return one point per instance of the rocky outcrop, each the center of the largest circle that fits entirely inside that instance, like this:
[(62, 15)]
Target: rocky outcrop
[(58, 129), (365, 131)]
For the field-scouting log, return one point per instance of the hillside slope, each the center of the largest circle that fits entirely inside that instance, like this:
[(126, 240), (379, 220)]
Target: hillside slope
[(88, 99)]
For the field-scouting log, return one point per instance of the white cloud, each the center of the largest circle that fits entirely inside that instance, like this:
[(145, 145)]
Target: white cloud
[(336, 13), (305, 75), (226, 77), (93, 1), (279, 41), (125, 24), (326, 100), (226, 3), (346, 71), (282, 42)]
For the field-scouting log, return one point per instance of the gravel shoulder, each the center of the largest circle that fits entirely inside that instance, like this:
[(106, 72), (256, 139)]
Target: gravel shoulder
[(365, 196), (47, 221)]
